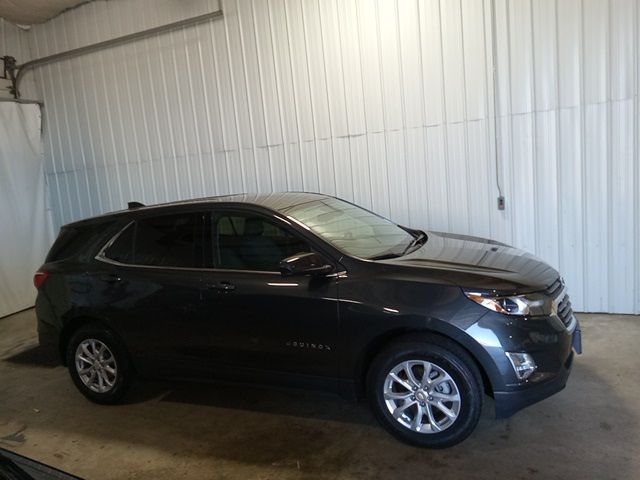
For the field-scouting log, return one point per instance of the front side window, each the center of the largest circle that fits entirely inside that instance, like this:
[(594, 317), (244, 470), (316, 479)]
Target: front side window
[(165, 241), (252, 242), (352, 229)]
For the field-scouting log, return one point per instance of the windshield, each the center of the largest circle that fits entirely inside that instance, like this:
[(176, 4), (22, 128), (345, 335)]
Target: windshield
[(352, 229)]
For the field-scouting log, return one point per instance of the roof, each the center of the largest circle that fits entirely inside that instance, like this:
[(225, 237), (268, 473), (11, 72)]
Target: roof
[(273, 201), (279, 202)]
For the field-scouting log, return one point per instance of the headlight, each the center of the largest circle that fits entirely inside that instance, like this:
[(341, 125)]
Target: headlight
[(528, 304)]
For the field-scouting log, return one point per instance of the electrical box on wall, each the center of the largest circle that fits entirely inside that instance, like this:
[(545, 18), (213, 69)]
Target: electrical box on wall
[(5, 81)]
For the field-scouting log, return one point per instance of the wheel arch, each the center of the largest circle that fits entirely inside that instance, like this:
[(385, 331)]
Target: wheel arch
[(483, 362), (73, 324)]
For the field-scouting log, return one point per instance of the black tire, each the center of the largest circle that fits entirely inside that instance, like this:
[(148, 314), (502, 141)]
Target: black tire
[(444, 355), (124, 371)]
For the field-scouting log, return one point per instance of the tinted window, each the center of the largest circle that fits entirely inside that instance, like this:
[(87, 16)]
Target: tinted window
[(121, 250), (252, 242), (350, 228), (166, 241), (74, 241)]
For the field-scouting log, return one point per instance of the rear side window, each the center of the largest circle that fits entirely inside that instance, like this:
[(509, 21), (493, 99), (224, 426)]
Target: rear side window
[(73, 242), (166, 241)]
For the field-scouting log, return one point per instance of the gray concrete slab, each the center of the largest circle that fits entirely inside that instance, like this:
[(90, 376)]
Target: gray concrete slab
[(171, 430)]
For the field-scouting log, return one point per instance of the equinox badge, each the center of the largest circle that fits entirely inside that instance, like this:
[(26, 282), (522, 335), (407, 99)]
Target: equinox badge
[(313, 346)]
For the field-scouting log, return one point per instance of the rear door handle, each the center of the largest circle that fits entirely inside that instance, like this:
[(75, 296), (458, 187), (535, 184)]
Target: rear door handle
[(110, 278), (225, 287), (222, 287)]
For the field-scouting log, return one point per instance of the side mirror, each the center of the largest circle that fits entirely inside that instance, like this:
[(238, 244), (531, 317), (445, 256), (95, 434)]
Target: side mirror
[(305, 264)]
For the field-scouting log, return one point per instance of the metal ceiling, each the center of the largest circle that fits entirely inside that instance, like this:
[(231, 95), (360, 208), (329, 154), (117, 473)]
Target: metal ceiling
[(28, 12)]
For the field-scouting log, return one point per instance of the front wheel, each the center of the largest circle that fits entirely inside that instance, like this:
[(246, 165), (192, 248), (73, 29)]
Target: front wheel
[(426, 391)]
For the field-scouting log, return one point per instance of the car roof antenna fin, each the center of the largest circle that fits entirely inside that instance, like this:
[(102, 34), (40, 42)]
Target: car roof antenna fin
[(134, 205)]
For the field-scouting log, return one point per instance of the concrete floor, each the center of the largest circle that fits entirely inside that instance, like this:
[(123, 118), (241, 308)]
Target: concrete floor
[(169, 430)]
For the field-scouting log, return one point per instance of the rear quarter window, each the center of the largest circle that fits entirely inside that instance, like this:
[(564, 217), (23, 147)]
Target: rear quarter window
[(76, 242), (121, 250)]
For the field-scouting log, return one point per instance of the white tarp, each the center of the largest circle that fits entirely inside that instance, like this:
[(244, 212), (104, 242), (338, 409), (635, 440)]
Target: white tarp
[(25, 225)]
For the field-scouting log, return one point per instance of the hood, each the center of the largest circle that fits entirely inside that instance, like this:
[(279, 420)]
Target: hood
[(480, 263)]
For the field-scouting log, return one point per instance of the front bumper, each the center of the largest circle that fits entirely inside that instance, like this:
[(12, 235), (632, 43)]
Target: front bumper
[(517, 397)]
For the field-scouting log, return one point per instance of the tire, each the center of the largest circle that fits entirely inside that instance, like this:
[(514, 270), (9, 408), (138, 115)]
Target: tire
[(452, 379), (93, 345)]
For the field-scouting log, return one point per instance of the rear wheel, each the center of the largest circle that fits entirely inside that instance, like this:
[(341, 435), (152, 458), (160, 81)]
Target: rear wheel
[(426, 391), (98, 364)]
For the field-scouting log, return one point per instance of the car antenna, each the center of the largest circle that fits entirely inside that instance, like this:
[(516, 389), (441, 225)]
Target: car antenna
[(134, 205)]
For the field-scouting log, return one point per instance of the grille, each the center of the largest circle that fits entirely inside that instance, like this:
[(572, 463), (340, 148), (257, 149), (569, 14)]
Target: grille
[(564, 311), (554, 290)]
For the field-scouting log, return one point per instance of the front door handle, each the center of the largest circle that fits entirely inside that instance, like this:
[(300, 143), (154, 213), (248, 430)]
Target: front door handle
[(110, 278)]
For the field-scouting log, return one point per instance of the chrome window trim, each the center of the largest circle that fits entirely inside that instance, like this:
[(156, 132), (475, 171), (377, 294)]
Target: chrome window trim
[(101, 257), (202, 269), (156, 267)]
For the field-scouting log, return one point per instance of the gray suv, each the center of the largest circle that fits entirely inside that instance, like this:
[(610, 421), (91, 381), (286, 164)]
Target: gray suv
[(308, 290)]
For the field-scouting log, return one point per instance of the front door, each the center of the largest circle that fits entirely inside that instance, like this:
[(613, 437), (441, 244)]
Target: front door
[(256, 318)]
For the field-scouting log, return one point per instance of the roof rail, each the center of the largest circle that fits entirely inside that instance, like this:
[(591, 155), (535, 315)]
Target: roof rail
[(134, 205)]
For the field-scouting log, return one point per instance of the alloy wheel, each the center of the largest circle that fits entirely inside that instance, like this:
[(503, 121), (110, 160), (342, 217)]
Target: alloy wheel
[(96, 365), (422, 396)]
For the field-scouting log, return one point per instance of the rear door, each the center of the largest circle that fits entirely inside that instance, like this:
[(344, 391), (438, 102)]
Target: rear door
[(150, 279), (256, 318)]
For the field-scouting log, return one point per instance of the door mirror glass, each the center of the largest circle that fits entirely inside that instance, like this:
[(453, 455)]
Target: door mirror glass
[(305, 264)]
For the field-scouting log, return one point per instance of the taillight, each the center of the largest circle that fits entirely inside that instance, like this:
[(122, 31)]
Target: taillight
[(39, 278)]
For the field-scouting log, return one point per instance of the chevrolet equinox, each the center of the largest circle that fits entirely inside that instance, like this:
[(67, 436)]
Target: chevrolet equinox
[(307, 290)]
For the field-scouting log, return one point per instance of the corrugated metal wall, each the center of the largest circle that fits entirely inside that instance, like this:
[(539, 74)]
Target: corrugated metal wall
[(389, 103)]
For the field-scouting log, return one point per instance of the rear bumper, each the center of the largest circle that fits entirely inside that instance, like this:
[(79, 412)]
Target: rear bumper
[(48, 333), (48, 336)]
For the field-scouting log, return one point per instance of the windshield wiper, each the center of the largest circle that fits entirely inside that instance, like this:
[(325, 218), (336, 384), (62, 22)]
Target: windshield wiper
[(420, 239)]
